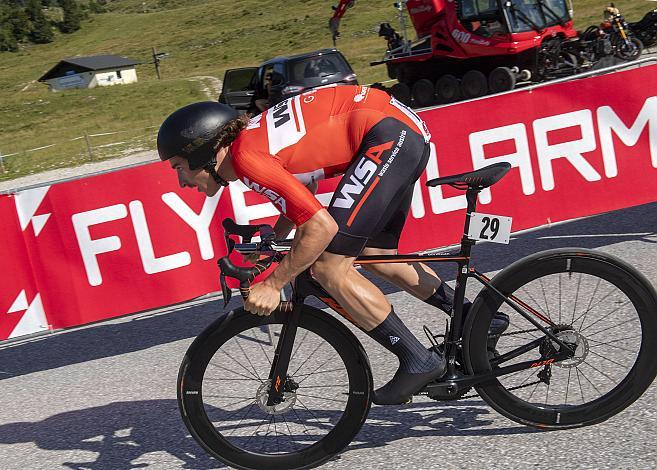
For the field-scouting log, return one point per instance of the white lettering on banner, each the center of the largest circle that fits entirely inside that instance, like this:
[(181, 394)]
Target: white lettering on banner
[(518, 159), (608, 121), (439, 203), (244, 213), (200, 223), (151, 264), (89, 248), (571, 151)]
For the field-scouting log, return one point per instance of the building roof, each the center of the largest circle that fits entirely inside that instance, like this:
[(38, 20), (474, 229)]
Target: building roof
[(86, 64)]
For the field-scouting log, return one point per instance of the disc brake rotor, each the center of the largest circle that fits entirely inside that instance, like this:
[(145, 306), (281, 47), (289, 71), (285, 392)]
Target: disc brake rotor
[(262, 395), (581, 348)]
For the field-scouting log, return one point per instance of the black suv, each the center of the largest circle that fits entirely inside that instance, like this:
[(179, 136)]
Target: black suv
[(284, 77)]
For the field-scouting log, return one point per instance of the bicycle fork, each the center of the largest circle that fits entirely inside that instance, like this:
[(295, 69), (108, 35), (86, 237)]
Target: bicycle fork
[(282, 356)]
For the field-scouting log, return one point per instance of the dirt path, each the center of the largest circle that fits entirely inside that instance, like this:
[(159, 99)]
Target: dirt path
[(88, 169), (211, 86)]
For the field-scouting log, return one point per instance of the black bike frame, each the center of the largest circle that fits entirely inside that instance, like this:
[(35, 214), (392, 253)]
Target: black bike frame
[(305, 285)]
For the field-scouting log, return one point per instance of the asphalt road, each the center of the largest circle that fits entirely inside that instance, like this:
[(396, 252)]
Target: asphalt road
[(104, 396)]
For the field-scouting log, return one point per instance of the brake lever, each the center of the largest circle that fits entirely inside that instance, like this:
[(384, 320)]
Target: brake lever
[(230, 245), (224, 289)]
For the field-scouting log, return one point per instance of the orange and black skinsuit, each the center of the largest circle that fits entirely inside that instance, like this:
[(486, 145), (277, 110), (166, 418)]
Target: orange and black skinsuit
[(378, 144)]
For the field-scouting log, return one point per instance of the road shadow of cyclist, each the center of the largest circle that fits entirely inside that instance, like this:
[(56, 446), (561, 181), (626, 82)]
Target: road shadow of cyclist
[(119, 433), (123, 432)]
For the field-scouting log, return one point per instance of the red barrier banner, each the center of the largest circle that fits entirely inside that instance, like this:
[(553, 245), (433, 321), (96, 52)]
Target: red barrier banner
[(118, 243)]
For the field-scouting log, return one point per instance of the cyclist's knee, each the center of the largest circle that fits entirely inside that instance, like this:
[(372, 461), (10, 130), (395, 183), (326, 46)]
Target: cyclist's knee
[(330, 269), (382, 269)]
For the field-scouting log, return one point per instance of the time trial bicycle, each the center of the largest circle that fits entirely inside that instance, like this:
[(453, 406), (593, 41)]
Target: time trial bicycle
[(292, 389)]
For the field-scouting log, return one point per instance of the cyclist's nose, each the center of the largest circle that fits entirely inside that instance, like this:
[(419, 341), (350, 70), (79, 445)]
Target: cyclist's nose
[(182, 182)]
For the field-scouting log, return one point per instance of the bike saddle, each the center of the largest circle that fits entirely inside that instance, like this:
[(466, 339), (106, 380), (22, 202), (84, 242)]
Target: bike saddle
[(479, 179)]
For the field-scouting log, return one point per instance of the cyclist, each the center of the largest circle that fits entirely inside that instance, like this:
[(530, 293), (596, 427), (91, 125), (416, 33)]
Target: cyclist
[(380, 147)]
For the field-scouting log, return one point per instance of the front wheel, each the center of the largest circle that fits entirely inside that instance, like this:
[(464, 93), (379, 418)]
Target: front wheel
[(630, 50), (224, 381), (599, 305)]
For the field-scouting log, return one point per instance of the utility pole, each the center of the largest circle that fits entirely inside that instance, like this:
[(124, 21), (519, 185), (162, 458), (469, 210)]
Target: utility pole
[(156, 61), (86, 139), (157, 57)]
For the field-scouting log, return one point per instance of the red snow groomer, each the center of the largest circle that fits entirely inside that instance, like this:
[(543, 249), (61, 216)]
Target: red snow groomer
[(468, 48)]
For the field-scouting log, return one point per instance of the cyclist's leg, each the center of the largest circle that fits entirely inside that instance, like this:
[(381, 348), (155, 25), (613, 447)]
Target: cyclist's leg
[(398, 155), (418, 279)]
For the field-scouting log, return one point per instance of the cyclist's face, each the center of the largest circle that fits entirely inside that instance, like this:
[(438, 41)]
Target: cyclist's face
[(199, 179)]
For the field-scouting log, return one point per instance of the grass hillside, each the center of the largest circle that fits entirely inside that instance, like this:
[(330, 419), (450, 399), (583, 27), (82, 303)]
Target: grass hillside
[(203, 38)]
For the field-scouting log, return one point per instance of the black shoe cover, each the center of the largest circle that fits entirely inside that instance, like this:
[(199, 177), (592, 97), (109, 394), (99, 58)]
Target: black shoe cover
[(404, 384)]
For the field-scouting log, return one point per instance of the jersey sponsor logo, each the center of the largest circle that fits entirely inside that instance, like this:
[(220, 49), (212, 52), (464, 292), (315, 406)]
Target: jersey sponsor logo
[(363, 172), (271, 195), (254, 122), (281, 113), (362, 96), (285, 124)]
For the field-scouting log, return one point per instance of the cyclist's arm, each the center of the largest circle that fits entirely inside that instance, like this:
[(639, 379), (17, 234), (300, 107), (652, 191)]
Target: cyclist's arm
[(315, 226), (283, 225), (310, 240)]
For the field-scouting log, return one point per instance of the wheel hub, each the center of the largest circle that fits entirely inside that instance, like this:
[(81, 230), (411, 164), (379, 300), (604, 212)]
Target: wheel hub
[(262, 395), (571, 337)]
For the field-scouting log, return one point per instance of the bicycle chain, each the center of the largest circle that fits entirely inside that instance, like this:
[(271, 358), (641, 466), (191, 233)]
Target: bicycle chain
[(474, 395)]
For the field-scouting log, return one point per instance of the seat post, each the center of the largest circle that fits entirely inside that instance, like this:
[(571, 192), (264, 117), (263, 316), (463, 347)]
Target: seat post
[(471, 198), (461, 279)]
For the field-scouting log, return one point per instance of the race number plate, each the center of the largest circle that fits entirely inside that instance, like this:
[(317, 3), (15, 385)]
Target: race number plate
[(490, 228)]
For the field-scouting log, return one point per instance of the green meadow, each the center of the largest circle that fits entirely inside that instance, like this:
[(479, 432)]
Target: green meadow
[(41, 130)]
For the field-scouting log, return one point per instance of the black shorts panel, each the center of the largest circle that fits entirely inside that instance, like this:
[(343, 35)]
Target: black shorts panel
[(372, 200)]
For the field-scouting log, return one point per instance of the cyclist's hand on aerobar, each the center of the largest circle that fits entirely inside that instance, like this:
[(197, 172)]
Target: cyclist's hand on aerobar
[(263, 299)]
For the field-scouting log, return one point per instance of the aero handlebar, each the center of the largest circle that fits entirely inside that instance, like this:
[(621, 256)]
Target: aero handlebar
[(243, 274)]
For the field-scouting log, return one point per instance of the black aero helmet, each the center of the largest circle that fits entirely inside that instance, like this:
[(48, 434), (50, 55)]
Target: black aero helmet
[(192, 131)]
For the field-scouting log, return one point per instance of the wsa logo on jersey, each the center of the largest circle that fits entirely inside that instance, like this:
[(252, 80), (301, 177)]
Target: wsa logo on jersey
[(272, 195)]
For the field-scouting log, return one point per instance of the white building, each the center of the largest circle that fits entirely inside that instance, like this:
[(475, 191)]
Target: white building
[(89, 72)]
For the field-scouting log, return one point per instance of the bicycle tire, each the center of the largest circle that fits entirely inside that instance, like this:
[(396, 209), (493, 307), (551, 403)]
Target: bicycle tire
[(195, 413), (569, 263)]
